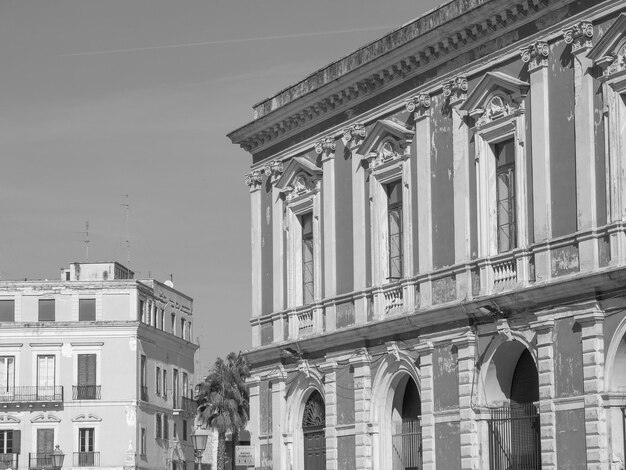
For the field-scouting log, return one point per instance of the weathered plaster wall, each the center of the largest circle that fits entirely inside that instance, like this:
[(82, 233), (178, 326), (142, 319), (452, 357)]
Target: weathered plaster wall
[(265, 408), (571, 450), (448, 445), (345, 395), (568, 358), (346, 456), (266, 249), (442, 184), (343, 219), (562, 139), (445, 378)]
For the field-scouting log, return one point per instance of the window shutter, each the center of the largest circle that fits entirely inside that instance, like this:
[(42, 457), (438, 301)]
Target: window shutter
[(45, 441), (86, 369), (17, 441)]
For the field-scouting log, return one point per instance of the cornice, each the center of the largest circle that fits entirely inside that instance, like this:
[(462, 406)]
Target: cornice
[(418, 46)]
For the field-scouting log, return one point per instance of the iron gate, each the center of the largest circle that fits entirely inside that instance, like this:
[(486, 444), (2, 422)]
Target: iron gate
[(407, 445), (514, 440)]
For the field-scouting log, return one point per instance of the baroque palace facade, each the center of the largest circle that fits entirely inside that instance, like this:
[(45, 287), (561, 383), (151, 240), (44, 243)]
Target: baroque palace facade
[(439, 246)]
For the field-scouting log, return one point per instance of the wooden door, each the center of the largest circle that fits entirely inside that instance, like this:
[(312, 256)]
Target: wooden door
[(314, 449)]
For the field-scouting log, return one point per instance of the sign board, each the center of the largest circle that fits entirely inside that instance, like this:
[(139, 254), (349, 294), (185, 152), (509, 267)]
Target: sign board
[(244, 456)]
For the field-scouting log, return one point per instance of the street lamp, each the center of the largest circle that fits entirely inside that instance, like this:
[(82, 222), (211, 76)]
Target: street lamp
[(57, 457), (199, 439)]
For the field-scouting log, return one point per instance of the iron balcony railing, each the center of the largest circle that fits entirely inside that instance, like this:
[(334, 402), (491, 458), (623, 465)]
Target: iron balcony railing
[(144, 393), (86, 459), (31, 394), (86, 392), (40, 460), (8, 461), (188, 405)]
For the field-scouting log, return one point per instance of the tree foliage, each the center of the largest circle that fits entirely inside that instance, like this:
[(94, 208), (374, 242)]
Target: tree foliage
[(223, 401)]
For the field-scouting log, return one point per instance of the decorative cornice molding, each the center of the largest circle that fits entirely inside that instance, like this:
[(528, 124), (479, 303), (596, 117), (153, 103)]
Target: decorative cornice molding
[(254, 179), (535, 55), (326, 147), (579, 36), (353, 136), (455, 89)]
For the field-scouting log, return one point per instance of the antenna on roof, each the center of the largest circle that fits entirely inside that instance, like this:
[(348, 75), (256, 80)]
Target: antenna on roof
[(87, 239), (127, 205)]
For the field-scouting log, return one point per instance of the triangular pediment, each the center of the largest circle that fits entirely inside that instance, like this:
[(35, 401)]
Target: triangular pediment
[(495, 89), (300, 174), (610, 50), (383, 131)]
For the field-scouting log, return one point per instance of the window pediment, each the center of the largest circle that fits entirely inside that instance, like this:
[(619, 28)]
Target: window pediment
[(388, 141), (497, 95), (87, 418), (45, 419), (609, 53), (300, 178)]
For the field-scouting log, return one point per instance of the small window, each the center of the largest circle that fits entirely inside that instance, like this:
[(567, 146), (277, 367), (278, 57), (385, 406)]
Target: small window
[(7, 310), (7, 374), (182, 328), (173, 323), (46, 309), (184, 429), (140, 312), (162, 324), (142, 450), (87, 310), (158, 380), (166, 427), (159, 428), (175, 433), (164, 383)]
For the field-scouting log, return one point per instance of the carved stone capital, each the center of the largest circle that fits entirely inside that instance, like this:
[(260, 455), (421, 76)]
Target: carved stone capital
[(254, 179), (579, 36), (456, 89), (326, 147), (353, 136), (535, 55), (419, 104), (273, 170)]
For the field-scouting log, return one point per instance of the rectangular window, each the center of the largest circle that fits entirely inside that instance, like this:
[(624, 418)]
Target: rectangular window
[(164, 383), (45, 445), (505, 194), (175, 389), (140, 312), (7, 375), (166, 426), (158, 380), (9, 442), (87, 310), (308, 267), (7, 310), (86, 378), (184, 429), (144, 378), (173, 323), (394, 220), (185, 384), (182, 328), (142, 447), (86, 447), (162, 324), (45, 376), (46, 309), (159, 427)]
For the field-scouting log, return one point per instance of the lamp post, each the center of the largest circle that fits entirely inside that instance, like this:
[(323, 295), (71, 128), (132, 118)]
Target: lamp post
[(199, 439), (57, 458)]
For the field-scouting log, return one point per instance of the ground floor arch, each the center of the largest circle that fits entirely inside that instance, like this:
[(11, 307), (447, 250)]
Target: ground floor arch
[(313, 432)]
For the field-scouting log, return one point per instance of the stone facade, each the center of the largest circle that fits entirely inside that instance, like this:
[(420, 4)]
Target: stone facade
[(439, 247)]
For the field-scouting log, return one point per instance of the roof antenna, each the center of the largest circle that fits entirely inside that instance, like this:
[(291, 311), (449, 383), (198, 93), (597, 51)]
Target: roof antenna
[(127, 205), (87, 238)]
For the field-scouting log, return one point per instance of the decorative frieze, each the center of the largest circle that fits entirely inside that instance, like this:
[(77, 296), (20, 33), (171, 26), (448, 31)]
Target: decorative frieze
[(419, 104), (273, 170), (254, 179), (455, 90), (353, 136), (535, 55), (326, 147), (579, 36)]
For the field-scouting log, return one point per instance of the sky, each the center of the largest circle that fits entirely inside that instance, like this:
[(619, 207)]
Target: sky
[(115, 113)]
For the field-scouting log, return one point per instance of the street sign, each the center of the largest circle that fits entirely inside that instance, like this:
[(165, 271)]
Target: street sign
[(244, 456)]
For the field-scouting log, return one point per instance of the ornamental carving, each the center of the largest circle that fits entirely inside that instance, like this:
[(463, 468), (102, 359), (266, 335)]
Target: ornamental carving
[(535, 55), (302, 184), (254, 179), (326, 147), (497, 106), (419, 104), (616, 62), (579, 35), (354, 135), (273, 170), (314, 411), (455, 89), (388, 151)]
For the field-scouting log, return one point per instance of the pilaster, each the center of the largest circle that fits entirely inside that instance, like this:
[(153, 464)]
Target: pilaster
[(254, 181), (536, 56), (545, 368), (352, 138), (330, 399), (592, 336), (579, 36), (279, 410), (425, 351), (420, 107), (254, 425), (470, 459), (362, 403), (273, 172)]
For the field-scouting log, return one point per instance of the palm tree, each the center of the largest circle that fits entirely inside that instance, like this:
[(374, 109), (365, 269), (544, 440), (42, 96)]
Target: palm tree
[(223, 401)]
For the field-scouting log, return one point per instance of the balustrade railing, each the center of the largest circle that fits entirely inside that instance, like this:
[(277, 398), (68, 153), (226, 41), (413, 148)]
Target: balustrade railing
[(305, 322), (86, 392), (393, 299), (504, 274), (26, 394)]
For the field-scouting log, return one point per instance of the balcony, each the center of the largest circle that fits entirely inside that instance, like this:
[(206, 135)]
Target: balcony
[(30, 395), (8, 461), (86, 459), (86, 392), (185, 405), (40, 460)]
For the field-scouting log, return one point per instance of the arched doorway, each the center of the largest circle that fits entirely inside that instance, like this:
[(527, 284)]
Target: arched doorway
[(313, 423), (514, 432), (406, 440)]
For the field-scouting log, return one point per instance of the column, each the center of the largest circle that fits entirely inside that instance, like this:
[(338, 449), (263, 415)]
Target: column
[(273, 171), (254, 181), (579, 36), (545, 368), (362, 405), (456, 92), (536, 56), (326, 149), (420, 106), (425, 351), (330, 400), (352, 138), (466, 346), (592, 326)]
